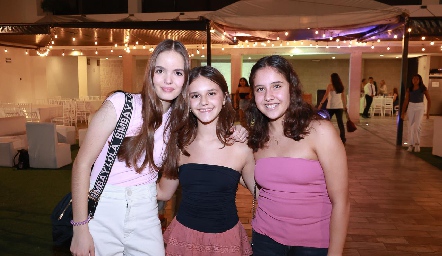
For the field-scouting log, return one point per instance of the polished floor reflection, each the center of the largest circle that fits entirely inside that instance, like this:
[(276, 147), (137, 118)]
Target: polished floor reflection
[(396, 197)]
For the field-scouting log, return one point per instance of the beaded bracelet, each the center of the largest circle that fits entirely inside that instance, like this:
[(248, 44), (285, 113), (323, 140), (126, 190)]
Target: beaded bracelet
[(86, 221)]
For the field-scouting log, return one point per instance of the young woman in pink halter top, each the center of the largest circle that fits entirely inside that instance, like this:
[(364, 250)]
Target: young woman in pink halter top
[(301, 168)]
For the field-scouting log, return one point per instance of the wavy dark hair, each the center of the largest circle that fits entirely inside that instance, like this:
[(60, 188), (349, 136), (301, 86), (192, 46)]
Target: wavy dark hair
[(184, 134), (243, 78), (422, 87), (141, 146), (337, 83), (297, 116)]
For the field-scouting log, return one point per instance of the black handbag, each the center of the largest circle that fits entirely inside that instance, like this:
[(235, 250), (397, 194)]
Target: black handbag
[(61, 216)]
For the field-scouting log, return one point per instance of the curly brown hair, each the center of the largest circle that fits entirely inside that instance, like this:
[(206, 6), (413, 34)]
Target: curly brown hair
[(298, 115)]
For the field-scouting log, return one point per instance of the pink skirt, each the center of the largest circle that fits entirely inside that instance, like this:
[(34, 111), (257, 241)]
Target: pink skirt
[(181, 240)]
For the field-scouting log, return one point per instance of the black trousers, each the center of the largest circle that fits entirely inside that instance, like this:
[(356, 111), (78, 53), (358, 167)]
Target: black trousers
[(339, 113), (368, 101)]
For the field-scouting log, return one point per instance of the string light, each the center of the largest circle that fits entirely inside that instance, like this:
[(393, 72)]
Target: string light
[(6, 50), (432, 43), (26, 52), (286, 33), (62, 53), (423, 38), (73, 39)]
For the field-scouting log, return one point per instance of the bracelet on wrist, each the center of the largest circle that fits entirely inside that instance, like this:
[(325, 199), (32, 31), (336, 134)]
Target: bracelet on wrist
[(84, 222)]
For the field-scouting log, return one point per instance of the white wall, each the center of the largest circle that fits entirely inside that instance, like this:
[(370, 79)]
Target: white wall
[(62, 76), (22, 79), (93, 77)]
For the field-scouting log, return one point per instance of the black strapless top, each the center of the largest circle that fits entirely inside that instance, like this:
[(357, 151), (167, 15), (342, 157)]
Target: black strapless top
[(208, 197)]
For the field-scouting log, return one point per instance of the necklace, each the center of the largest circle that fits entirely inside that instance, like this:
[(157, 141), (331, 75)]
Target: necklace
[(275, 139)]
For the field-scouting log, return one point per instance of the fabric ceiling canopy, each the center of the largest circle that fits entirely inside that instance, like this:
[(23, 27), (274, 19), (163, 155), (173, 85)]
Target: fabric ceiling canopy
[(251, 16)]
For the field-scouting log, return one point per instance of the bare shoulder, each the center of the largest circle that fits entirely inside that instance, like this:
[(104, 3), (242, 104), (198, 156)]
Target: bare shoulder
[(320, 128), (240, 148)]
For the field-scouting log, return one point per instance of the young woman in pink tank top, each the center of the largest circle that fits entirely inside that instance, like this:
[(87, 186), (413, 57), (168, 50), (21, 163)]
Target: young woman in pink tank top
[(301, 168)]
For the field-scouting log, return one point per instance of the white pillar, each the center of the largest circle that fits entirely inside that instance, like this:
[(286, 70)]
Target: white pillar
[(354, 85), (82, 76), (236, 70), (129, 72)]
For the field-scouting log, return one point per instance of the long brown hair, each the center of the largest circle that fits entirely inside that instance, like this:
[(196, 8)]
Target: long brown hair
[(298, 115), (141, 146), (184, 134)]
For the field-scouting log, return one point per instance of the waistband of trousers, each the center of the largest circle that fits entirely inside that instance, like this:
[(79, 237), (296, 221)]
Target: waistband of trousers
[(120, 192)]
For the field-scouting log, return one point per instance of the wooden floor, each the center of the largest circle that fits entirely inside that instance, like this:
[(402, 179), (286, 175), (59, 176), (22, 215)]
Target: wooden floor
[(396, 198)]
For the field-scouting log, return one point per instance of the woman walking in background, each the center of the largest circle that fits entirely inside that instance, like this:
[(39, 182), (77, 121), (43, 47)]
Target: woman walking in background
[(337, 102), (243, 96), (414, 107), (301, 168)]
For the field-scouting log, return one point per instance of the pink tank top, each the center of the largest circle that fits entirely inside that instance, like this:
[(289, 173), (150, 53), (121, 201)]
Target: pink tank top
[(293, 205), (121, 175)]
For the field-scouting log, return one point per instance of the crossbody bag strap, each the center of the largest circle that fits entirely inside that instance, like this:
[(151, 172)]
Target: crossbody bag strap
[(117, 138)]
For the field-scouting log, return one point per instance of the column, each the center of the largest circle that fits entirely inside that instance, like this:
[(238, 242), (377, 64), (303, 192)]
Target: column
[(236, 70), (354, 85), (129, 72), (82, 76)]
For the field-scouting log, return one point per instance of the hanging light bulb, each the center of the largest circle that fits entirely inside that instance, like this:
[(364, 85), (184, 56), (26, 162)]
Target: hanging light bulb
[(379, 40), (96, 51), (55, 36), (203, 47), (395, 36), (423, 38), (52, 42), (432, 43), (323, 35), (197, 51), (26, 52), (73, 39), (62, 53), (116, 45), (112, 49), (136, 42), (423, 49), (388, 48), (277, 38), (372, 46), (96, 43), (222, 49), (286, 33), (409, 29)]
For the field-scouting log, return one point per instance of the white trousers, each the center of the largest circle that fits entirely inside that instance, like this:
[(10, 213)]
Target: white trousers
[(415, 113), (126, 222)]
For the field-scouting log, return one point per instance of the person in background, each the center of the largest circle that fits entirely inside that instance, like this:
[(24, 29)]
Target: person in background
[(337, 102), (363, 83), (383, 90), (370, 92), (301, 168), (209, 169), (243, 96), (395, 99), (414, 107)]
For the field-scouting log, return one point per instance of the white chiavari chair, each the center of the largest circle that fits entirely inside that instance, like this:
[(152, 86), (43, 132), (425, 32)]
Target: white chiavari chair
[(388, 105), (376, 106)]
